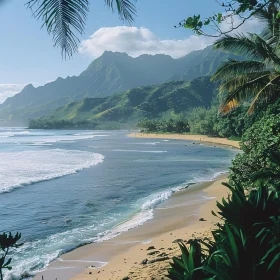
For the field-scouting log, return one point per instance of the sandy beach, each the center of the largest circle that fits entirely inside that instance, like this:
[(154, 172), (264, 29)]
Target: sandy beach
[(177, 219), (200, 138), (146, 251)]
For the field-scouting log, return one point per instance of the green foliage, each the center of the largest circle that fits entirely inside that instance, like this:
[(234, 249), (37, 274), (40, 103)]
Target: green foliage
[(260, 145), (244, 246), (170, 126), (184, 267), (7, 242), (203, 121)]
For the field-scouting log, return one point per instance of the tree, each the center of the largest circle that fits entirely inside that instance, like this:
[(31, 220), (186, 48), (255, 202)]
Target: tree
[(236, 13), (64, 19), (257, 78)]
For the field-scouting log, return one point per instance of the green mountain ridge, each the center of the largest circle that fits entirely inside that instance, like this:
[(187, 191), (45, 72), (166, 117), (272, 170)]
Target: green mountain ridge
[(169, 99), (109, 74)]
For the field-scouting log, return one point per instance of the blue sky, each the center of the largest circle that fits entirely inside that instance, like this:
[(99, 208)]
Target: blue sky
[(27, 54)]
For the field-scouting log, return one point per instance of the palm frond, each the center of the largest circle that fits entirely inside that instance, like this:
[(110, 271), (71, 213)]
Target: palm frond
[(62, 18), (265, 89), (248, 91), (236, 82), (65, 19), (270, 24), (253, 47), (233, 68), (126, 8)]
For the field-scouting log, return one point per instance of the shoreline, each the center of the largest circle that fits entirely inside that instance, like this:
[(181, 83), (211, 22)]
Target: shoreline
[(201, 138), (121, 256), (178, 217)]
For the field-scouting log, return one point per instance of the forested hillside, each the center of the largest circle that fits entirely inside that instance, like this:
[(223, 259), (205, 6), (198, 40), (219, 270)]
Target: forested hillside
[(158, 101)]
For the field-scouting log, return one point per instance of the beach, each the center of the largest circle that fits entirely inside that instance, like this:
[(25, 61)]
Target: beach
[(145, 252), (200, 138)]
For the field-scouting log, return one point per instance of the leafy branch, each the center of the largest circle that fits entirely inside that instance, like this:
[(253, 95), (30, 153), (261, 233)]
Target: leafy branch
[(236, 13)]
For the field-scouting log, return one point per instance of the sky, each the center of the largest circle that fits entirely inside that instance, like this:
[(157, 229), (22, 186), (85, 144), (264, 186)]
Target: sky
[(27, 54)]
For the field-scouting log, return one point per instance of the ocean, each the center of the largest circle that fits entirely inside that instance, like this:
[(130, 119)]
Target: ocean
[(65, 188)]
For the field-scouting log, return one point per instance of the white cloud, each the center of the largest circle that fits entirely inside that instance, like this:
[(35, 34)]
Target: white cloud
[(136, 41), (8, 90)]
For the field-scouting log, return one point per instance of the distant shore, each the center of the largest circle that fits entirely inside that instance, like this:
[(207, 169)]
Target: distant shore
[(200, 138)]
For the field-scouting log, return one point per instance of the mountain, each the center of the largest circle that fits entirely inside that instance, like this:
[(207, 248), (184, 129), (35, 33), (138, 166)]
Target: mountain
[(109, 74), (164, 100)]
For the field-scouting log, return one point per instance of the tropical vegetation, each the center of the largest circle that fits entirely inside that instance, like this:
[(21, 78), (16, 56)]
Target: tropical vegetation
[(260, 145), (245, 245), (257, 78), (246, 242)]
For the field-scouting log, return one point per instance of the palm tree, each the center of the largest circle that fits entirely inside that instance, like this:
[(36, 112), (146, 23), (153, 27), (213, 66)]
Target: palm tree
[(64, 18), (257, 78)]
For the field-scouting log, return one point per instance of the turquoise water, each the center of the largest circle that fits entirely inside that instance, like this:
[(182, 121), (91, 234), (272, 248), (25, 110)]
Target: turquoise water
[(61, 189)]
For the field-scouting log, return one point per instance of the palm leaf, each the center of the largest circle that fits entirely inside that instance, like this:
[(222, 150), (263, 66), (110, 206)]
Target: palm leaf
[(65, 19), (245, 92), (62, 18), (236, 82), (251, 46), (232, 68), (265, 89), (126, 8)]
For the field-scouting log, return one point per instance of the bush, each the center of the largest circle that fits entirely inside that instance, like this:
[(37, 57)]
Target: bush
[(245, 246), (260, 145)]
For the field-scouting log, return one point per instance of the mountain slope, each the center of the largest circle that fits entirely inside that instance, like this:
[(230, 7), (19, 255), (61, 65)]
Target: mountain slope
[(109, 74), (164, 100)]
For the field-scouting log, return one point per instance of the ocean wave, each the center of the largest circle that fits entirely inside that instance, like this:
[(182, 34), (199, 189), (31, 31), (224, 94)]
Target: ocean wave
[(28, 167), (209, 178), (35, 264)]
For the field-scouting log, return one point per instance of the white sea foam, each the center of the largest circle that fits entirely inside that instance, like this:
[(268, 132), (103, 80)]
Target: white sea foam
[(31, 166), (34, 137)]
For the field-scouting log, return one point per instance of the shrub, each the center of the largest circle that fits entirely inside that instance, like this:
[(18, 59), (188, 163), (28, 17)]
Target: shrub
[(246, 245), (260, 145)]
